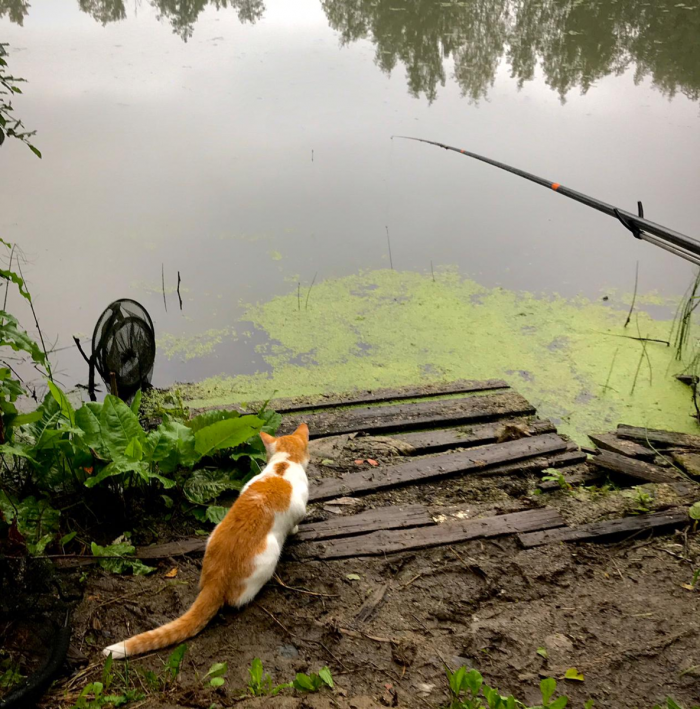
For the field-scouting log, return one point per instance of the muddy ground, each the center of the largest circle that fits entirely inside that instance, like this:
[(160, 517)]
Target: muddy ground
[(623, 613)]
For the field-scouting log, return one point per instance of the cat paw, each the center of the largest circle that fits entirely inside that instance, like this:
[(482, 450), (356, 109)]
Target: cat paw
[(295, 530)]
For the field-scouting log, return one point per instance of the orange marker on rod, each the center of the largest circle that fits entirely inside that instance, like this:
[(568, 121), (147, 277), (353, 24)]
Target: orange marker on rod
[(668, 239)]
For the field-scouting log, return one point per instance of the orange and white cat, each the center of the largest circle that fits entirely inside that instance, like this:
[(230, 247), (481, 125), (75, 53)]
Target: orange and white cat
[(243, 550)]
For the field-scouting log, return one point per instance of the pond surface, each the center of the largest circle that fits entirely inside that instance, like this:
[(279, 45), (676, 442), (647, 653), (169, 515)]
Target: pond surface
[(247, 146)]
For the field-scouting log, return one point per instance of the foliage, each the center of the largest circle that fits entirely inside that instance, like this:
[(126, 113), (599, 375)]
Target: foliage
[(260, 683), (60, 452), (554, 475), (10, 126), (313, 682), (215, 675)]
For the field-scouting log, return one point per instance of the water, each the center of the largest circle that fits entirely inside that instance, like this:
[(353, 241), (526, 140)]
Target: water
[(246, 144)]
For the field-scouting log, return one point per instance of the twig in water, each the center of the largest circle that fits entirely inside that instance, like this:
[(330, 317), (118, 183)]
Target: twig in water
[(634, 296), (644, 349), (632, 337), (612, 364), (431, 271), (388, 241), (299, 296), (306, 305), (162, 279), (178, 289), (636, 374)]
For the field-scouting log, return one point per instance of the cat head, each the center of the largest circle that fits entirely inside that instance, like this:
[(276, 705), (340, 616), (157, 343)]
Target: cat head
[(296, 445)]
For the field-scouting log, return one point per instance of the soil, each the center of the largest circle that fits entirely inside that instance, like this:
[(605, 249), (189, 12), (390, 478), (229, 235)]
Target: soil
[(623, 613)]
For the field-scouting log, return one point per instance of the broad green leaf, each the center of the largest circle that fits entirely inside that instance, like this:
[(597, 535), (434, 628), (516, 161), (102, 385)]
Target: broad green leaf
[(122, 564), (547, 687), (325, 674), (542, 652), (206, 485), (87, 419), (216, 513), (559, 703), (117, 467), (136, 403), (473, 680), (17, 450), (24, 419), (12, 336), (119, 425), (166, 482), (209, 417), (37, 522), (217, 669), (217, 682), (574, 674), (226, 434), (62, 400), (256, 671), (171, 445), (303, 682), (271, 419), (134, 450)]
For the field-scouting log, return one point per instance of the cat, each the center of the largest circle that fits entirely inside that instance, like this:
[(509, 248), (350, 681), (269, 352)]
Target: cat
[(243, 550)]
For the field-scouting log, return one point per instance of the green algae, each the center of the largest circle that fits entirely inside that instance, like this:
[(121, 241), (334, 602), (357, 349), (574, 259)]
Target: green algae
[(187, 347), (387, 328)]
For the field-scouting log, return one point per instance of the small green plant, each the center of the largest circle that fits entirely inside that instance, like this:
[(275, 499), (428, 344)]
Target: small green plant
[(554, 475), (467, 689), (97, 694), (215, 676), (672, 704), (260, 683), (642, 502), (313, 682), (175, 661)]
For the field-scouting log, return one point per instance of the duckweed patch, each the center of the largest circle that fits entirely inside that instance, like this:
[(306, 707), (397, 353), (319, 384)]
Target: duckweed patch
[(384, 328)]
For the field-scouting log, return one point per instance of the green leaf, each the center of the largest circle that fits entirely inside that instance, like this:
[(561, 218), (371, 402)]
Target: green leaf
[(209, 417), (226, 434), (559, 703), (17, 450), (216, 513), (547, 687), (122, 564), (206, 485), (175, 659), (694, 511), (171, 445), (167, 483), (218, 669), (114, 468), (37, 522), (271, 419), (67, 538), (87, 419), (542, 652), (473, 680), (303, 682), (589, 704), (134, 450), (574, 674), (24, 419), (356, 577), (325, 674), (35, 150), (256, 671), (62, 400), (217, 682), (119, 425), (136, 403), (10, 333)]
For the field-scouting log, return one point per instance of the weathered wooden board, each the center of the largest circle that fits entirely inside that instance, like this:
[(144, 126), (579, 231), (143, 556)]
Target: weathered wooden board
[(637, 469), (373, 396), (657, 437), (596, 530), (452, 532), (370, 521), (690, 462), (467, 436), (610, 442), (423, 414), (434, 467)]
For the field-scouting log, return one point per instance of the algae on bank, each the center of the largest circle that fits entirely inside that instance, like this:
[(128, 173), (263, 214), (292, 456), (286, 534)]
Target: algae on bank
[(387, 328)]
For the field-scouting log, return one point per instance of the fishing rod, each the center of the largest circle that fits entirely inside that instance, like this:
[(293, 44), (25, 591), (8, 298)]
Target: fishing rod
[(668, 239)]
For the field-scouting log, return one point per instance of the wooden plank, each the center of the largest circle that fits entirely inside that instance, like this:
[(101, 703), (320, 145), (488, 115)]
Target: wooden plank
[(398, 417), (468, 436), (369, 521), (452, 532), (637, 469), (179, 548), (610, 442), (596, 530), (372, 396), (690, 462), (435, 467), (371, 604), (658, 437)]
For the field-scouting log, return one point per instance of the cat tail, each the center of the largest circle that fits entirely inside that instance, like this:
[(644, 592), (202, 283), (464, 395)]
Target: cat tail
[(204, 608)]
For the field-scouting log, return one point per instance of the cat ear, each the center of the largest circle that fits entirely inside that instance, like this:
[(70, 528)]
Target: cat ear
[(302, 432), (269, 442)]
